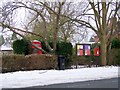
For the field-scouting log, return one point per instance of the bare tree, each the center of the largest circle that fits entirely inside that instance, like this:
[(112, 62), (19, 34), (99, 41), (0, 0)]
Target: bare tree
[(97, 17), (46, 13)]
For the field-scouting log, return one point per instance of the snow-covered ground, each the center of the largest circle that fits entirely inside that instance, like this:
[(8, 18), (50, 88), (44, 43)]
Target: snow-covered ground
[(46, 77)]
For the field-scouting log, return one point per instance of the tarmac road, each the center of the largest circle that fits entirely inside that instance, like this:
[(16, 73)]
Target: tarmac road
[(109, 84), (105, 83)]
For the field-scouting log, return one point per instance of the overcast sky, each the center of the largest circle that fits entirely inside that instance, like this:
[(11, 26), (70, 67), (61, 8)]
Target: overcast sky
[(20, 19)]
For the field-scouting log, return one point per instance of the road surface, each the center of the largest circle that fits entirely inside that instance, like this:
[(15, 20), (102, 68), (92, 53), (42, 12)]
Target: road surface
[(104, 83)]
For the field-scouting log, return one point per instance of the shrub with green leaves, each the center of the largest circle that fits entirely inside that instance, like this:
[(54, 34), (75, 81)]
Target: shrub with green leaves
[(44, 47), (114, 54), (22, 47), (117, 60), (115, 43), (114, 57), (64, 48)]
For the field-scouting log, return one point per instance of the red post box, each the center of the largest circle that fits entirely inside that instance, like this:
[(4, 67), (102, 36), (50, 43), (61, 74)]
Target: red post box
[(37, 43), (96, 51)]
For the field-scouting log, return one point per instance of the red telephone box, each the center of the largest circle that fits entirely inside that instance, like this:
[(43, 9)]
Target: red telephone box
[(37, 43), (96, 51)]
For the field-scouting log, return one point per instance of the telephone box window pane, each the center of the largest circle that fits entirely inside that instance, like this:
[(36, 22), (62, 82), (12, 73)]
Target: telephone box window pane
[(87, 52), (78, 47), (81, 52), (81, 46), (87, 47)]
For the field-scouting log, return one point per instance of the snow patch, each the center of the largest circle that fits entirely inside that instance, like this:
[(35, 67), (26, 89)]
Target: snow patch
[(45, 77)]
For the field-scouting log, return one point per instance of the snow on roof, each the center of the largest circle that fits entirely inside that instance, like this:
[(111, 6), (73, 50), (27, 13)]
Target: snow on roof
[(87, 42), (6, 47)]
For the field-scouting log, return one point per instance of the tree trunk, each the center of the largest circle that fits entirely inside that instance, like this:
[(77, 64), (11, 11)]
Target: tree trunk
[(104, 35), (56, 26), (55, 42), (103, 49)]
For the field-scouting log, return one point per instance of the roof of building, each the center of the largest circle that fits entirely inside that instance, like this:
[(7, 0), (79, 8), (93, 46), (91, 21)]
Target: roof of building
[(6, 47), (87, 42), (91, 39)]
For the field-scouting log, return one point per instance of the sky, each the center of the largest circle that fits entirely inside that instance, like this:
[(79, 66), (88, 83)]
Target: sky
[(20, 20), (22, 79)]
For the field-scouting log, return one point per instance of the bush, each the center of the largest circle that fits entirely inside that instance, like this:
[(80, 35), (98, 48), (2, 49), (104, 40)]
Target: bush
[(115, 43), (64, 48), (114, 54), (22, 47), (61, 50), (114, 57), (117, 60)]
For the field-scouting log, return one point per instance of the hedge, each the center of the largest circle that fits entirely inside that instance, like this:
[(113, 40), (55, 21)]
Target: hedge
[(44, 61), (12, 63)]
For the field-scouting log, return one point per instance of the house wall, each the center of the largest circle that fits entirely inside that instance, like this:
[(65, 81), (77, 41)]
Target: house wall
[(0, 61), (7, 51)]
